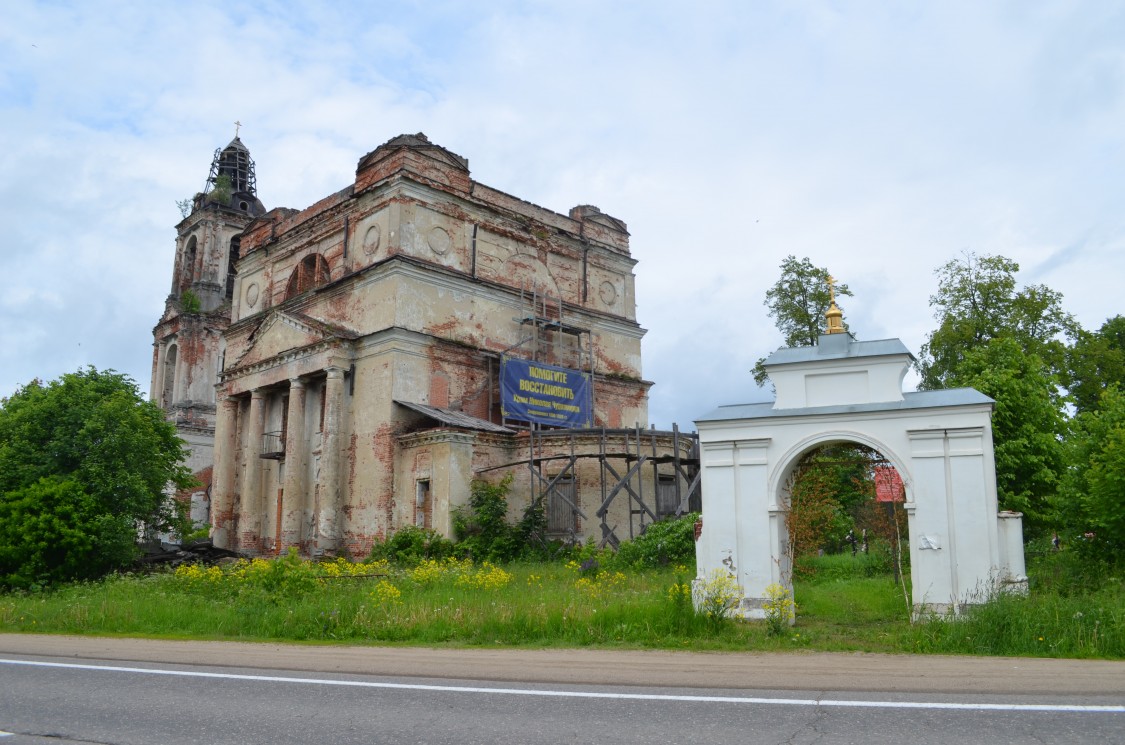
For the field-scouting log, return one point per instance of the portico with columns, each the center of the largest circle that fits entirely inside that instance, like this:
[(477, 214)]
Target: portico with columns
[(277, 468)]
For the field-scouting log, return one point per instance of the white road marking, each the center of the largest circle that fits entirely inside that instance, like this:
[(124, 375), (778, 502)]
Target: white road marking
[(1078, 708)]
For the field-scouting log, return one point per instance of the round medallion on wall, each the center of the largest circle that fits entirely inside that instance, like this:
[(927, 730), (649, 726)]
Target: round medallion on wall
[(252, 294), (371, 240), (608, 293), (438, 241)]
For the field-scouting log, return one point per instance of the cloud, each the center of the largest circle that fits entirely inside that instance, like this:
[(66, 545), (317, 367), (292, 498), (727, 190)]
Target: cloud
[(878, 141)]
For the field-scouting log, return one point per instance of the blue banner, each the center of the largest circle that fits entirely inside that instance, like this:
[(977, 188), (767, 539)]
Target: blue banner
[(535, 392)]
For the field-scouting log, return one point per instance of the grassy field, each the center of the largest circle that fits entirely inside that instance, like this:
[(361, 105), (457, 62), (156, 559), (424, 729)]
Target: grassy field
[(844, 603)]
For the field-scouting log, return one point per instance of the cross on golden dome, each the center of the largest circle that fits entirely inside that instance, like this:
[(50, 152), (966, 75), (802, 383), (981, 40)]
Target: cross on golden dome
[(834, 316)]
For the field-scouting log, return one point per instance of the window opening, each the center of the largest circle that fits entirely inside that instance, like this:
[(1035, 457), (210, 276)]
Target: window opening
[(169, 382), (311, 272), (323, 401), (561, 501), (423, 507), (666, 502), (187, 267), (232, 258)]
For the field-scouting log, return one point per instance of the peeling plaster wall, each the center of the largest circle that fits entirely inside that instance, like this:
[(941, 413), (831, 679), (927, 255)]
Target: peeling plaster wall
[(429, 278), (184, 385)]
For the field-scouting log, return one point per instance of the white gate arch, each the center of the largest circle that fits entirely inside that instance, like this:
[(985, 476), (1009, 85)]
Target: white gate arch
[(940, 442)]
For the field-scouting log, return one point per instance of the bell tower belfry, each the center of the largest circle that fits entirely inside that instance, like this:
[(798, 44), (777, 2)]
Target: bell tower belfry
[(188, 339)]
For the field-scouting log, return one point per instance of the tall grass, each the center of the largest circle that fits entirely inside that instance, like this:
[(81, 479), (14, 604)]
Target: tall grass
[(536, 605), (842, 604), (1075, 608), (1039, 625)]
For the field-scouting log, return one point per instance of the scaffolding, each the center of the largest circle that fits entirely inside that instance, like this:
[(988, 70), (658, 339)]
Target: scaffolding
[(622, 454), (622, 457), (235, 163)]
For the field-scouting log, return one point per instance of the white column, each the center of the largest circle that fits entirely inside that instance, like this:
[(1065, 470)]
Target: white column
[(250, 502), (295, 448), (329, 529), (223, 479)]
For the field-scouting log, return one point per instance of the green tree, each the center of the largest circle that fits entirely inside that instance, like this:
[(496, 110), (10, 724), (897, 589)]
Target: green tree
[(1093, 492), (834, 485), (1027, 424), (84, 462), (977, 301), (797, 303), (1096, 362), (816, 519)]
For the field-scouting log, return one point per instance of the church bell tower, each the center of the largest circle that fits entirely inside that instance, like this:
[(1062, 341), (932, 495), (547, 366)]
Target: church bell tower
[(188, 339)]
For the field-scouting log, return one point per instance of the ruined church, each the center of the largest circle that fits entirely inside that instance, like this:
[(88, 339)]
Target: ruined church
[(345, 370)]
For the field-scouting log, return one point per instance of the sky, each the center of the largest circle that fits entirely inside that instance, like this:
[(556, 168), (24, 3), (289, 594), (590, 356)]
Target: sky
[(880, 140)]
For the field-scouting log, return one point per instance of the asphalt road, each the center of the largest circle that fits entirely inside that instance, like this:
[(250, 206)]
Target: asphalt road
[(788, 671), (76, 689)]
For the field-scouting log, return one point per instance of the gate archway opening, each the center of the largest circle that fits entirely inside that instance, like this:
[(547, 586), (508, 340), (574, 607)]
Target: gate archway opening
[(846, 530)]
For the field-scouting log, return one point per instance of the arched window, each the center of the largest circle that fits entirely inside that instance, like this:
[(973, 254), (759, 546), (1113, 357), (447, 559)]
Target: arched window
[(168, 384), (311, 272), (233, 256), (187, 266)]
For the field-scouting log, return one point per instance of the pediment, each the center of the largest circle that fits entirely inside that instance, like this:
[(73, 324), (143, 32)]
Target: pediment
[(609, 222), (418, 143), (282, 332)]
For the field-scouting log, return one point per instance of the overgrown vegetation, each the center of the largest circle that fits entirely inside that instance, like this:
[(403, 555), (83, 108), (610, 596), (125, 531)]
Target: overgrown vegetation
[(419, 588), (189, 302), (458, 601), (221, 192), (412, 545), (1076, 608), (664, 543), (483, 533), (84, 463), (482, 529)]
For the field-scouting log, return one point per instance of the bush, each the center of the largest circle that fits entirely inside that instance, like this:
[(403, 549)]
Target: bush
[(283, 578), (666, 542), (780, 609), (717, 596), (190, 302), (1080, 567), (411, 545), (52, 531), (223, 189), (482, 528)]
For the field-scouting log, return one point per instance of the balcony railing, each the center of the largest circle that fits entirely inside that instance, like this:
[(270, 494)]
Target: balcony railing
[(273, 445)]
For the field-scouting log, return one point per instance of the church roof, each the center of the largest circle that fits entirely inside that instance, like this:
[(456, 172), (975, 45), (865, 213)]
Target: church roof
[(236, 144), (913, 400), (455, 418), (838, 346)]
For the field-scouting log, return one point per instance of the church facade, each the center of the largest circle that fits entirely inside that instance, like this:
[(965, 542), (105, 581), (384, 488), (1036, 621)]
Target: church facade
[(339, 366)]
